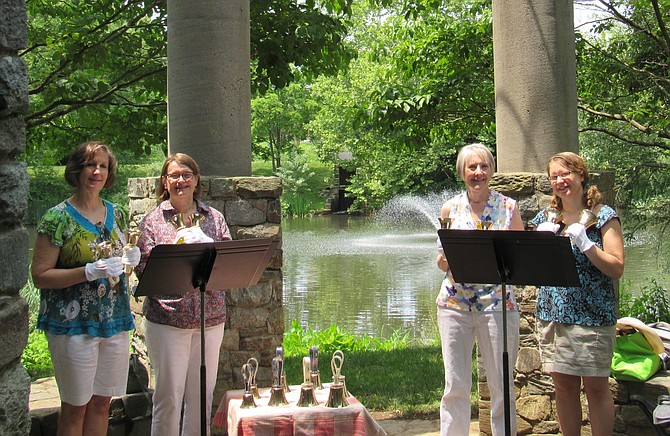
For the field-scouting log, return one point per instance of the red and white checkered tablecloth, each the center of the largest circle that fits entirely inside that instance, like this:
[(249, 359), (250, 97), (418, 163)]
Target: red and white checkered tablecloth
[(293, 420)]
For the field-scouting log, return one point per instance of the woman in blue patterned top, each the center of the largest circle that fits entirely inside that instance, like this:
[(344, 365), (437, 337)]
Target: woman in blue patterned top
[(78, 265), (577, 325)]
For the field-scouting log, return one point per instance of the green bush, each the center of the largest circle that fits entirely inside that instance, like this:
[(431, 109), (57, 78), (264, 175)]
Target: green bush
[(652, 303)]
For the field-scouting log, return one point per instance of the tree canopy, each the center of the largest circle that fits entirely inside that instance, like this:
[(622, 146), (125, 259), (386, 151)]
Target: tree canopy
[(98, 68)]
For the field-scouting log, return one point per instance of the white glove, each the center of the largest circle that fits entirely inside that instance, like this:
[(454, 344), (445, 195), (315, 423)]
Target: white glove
[(548, 227), (192, 235), (577, 234), (131, 256), (104, 268)]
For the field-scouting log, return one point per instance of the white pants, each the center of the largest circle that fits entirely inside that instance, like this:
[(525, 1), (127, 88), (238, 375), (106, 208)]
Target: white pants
[(458, 329), (175, 360)]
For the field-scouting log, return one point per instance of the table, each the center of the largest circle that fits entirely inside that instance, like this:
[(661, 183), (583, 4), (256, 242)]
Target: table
[(291, 419)]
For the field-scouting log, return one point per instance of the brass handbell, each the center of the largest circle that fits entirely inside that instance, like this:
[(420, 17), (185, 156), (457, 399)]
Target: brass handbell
[(587, 218), (342, 378), (314, 376), (336, 396), (132, 237), (282, 375), (248, 396), (484, 225), (553, 215), (253, 366), (106, 251), (307, 396), (277, 396), (445, 223)]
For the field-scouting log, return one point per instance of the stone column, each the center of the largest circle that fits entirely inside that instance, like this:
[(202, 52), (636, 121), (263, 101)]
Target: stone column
[(209, 92), (535, 82), (14, 381)]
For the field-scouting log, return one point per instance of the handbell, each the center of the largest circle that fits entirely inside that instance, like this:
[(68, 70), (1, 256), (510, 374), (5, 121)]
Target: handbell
[(336, 396), (587, 218), (445, 223), (132, 237), (553, 215), (307, 396), (277, 397), (248, 401), (484, 225)]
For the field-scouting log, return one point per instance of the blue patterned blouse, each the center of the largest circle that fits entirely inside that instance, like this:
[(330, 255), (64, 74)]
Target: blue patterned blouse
[(95, 308), (592, 304)]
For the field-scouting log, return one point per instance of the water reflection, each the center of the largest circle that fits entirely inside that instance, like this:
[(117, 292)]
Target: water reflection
[(373, 276), (362, 276)]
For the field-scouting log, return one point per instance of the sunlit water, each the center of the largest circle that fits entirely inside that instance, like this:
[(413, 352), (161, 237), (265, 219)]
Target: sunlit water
[(376, 275)]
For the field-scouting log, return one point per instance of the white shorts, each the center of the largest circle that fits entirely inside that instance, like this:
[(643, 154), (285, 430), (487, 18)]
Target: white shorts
[(85, 366)]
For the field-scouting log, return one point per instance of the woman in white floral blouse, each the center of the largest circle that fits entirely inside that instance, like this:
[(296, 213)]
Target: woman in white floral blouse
[(466, 311)]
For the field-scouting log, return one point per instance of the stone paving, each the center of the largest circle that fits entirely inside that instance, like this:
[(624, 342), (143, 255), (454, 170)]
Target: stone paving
[(44, 400)]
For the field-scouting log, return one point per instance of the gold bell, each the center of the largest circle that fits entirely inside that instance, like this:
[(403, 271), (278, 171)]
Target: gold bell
[(336, 396), (254, 391), (315, 379), (587, 218), (553, 215), (344, 386), (307, 396), (484, 225), (248, 401), (277, 397), (445, 223)]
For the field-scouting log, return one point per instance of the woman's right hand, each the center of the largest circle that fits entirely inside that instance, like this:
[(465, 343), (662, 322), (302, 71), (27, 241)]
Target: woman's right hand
[(104, 268)]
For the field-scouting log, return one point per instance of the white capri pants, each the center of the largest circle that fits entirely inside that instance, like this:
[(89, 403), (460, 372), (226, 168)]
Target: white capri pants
[(458, 329), (175, 360), (86, 365)]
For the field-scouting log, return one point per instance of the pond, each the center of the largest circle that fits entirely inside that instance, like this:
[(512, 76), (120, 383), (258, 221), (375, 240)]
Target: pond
[(373, 276)]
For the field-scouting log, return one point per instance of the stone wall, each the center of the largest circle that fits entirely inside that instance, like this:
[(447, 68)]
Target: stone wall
[(535, 397), (255, 324), (14, 381)]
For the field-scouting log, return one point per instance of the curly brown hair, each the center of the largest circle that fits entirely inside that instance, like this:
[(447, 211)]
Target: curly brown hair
[(575, 163)]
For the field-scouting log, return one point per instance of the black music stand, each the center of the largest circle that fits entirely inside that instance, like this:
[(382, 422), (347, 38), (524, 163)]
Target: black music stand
[(514, 257), (176, 268)]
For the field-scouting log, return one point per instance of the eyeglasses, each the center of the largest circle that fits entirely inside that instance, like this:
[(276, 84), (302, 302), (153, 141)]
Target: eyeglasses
[(563, 176), (186, 176)]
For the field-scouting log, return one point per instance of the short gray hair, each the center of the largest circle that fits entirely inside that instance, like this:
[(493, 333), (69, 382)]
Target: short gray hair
[(473, 149)]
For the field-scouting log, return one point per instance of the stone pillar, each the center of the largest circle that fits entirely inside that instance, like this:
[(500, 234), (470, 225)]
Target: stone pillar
[(535, 82), (255, 324), (14, 380), (209, 92)]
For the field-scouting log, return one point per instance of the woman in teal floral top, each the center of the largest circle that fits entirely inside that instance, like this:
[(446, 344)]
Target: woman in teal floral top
[(78, 265), (577, 325)]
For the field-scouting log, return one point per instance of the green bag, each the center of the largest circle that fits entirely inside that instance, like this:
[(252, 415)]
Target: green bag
[(634, 359)]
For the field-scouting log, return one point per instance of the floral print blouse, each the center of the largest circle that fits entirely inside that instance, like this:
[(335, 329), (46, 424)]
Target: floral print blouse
[(477, 297), (592, 304), (96, 308), (181, 311)]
